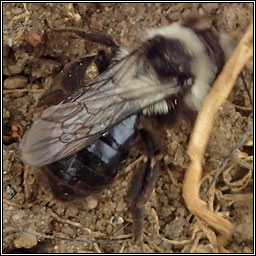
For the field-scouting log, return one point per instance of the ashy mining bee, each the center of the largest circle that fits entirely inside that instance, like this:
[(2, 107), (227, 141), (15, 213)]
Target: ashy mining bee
[(83, 141)]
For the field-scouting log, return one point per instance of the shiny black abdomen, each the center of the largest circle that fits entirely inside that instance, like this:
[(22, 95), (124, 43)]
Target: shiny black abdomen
[(95, 166)]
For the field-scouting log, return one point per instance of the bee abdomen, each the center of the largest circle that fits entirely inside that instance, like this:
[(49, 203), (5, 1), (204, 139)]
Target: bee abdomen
[(95, 166)]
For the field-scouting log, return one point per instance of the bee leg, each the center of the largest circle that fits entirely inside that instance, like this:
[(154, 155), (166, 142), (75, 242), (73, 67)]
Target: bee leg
[(142, 185), (103, 59), (145, 182), (71, 78), (72, 75), (96, 37)]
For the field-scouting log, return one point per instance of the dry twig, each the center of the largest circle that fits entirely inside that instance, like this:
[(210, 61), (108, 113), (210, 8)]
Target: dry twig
[(201, 132), (6, 91)]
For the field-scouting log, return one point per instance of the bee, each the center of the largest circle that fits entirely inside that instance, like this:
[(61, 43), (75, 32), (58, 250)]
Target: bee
[(83, 141)]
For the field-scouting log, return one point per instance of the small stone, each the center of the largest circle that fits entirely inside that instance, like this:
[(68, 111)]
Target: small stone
[(68, 230), (120, 206), (92, 203), (35, 87), (186, 13), (32, 37), (116, 220), (6, 114), (201, 11), (109, 229), (10, 192), (5, 51), (15, 69), (77, 17), (26, 240), (45, 68), (247, 250), (15, 82), (210, 7), (71, 212), (100, 225), (202, 248), (17, 11), (173, 16)]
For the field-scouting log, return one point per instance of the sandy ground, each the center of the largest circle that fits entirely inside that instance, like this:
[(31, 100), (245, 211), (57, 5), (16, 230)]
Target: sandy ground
[(33, 55)]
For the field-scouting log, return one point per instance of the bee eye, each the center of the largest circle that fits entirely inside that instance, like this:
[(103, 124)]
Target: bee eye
[(188, 82)]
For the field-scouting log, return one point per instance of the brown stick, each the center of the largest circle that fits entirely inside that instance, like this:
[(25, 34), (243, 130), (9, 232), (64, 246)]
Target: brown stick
[(201, 132)]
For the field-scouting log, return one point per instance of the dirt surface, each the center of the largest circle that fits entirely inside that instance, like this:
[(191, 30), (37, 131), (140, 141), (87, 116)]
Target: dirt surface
[(34, 222)]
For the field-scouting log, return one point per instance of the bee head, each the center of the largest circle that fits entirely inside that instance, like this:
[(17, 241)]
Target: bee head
[(170, 60)]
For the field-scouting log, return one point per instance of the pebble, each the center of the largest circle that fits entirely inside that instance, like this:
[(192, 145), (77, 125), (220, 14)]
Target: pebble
[(173, 16), (68, 230), (109, 229), (35, 87), (100, 225), (247, 250), (5, 51), (116, 220), (15, 82), (10, 192), (15, 69), (186, 12), (201, 11), (71, 211), (6, 114), (17, 11), (210, 7), (120, 206), (26, 240), (92, 203)]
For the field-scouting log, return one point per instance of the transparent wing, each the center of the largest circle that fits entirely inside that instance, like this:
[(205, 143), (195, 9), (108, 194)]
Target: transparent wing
[(62, 130)]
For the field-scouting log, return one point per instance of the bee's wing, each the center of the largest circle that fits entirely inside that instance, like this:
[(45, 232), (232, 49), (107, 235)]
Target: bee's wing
[(75, 123)]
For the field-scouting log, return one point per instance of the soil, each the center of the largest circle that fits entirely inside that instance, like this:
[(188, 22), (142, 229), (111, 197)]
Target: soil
[(35, 222)]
